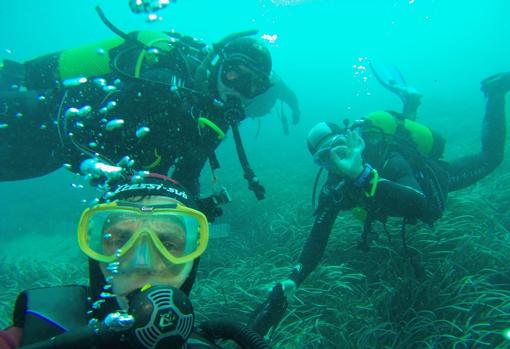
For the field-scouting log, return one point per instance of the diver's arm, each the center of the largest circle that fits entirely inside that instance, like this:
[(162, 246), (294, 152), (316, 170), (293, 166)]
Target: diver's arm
[(289, 97), (315, 245), (187, 171), (469, 169), (29, 141)]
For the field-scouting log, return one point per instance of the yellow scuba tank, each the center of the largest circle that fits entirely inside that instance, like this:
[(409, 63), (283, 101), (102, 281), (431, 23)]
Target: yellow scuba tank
[(86, 61), (428, 142), (97, 59)]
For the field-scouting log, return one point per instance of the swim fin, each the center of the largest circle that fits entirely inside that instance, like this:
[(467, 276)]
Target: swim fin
[(388, 76), (392, 79)]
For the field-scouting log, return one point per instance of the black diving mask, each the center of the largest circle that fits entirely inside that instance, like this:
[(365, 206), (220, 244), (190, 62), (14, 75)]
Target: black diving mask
[(249, 82)]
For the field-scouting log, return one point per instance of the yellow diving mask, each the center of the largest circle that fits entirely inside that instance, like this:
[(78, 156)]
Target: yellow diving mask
[(108, 231)]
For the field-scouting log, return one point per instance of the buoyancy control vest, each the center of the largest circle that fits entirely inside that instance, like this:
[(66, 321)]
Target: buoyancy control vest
[(421, 146)]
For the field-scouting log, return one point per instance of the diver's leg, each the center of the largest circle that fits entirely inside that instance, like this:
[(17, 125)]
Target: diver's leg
[(468, 170), (28, 136)]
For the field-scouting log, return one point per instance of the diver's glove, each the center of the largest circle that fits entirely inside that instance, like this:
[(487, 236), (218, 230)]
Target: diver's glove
[(269, 314), (289, 287), (256, 187), (347, 157)]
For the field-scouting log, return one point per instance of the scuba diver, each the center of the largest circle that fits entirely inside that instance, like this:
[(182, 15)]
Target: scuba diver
[(147, 100), (143, 239), (386, 165), (266, 102)]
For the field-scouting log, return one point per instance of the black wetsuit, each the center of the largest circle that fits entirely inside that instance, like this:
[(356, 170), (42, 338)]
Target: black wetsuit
[(37, 136), (402, 191)]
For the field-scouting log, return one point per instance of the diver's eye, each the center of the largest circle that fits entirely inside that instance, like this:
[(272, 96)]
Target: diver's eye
[(116, 237), (171, 246)]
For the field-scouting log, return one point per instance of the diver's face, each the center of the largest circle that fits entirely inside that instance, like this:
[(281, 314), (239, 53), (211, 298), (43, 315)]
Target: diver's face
[(244, 80), (144, 264), (322, 156)]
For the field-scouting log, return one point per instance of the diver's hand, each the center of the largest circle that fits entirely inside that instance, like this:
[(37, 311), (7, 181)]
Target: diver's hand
[(269, 314), (289, 287), (347, 157)]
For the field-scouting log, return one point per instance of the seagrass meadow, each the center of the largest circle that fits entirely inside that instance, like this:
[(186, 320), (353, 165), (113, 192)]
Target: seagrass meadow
[(322, 49)]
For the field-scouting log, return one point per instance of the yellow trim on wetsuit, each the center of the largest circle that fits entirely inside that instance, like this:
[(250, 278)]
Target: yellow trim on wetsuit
[(360, 212), (373, 182)]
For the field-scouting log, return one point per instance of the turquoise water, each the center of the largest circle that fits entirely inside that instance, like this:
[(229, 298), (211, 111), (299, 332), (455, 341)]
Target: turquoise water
[(443, 48)]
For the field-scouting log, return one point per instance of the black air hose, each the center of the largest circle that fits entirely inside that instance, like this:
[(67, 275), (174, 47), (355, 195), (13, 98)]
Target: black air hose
[(228, 329)]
